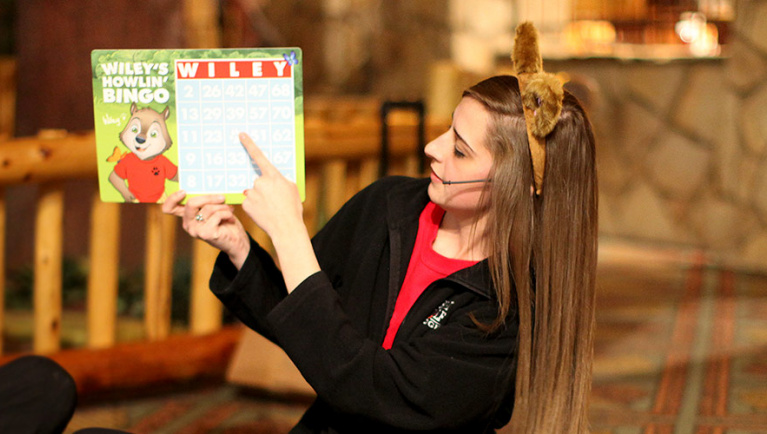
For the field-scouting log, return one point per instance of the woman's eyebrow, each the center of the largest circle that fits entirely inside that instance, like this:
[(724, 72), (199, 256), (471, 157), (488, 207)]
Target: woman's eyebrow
[(458, 135)]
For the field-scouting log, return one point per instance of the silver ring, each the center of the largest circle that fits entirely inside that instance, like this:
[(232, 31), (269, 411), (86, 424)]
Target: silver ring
[(199, 218)]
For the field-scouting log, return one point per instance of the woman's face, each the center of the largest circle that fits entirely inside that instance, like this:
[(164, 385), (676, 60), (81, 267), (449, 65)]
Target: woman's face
[(461, 154)]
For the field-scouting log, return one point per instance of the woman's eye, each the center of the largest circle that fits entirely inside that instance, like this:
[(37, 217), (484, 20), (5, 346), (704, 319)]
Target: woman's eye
[(458, 153)]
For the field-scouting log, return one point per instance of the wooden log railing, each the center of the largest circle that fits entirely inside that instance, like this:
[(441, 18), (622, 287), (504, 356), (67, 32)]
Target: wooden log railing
[(341, 158)]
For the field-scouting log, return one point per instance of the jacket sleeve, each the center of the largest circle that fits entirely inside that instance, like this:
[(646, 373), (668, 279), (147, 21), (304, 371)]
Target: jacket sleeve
[(251, 293), (446, 379)]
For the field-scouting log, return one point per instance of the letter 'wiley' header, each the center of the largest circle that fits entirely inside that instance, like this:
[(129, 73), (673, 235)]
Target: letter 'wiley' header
[(226, 68)]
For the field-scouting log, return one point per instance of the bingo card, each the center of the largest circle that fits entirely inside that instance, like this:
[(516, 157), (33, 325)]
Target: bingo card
[(170, 119)]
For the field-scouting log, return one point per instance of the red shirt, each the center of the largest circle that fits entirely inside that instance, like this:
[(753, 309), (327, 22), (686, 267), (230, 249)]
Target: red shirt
[(146, 178), (426, 266)]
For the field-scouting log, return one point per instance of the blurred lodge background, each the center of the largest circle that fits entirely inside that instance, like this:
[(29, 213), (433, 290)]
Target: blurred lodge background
[(676, 90)]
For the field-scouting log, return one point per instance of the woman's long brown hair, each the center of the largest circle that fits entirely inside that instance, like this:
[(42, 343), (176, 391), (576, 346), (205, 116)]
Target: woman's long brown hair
[(542, 255)]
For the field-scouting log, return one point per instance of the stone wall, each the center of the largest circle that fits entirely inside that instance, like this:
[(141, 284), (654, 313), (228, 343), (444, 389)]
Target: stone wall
[(683, 145)]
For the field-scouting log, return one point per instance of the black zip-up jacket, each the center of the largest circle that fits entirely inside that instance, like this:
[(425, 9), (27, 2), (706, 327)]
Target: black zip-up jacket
[(442, 373)]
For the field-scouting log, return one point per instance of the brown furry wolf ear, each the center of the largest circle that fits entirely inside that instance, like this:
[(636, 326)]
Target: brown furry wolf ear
[(526, 57), (542, 96)]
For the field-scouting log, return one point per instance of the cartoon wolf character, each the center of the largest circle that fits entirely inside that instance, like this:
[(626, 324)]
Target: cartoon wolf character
[(144, 167)]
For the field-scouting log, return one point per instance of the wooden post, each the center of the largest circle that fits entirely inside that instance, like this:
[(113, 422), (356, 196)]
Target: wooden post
[(48, 267), (201, 21), (334, 172), (412, 164), (205, 309), (258, 235), (2, 266), (261, 238), (158, 269), (311, 203), (104, 273), (368, 172), (352, 181), (7, 96)]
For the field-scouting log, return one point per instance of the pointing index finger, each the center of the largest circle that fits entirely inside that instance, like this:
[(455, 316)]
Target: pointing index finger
[(255, 153)]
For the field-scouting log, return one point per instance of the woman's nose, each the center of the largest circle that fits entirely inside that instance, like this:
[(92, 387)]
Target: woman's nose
[(434, 149)]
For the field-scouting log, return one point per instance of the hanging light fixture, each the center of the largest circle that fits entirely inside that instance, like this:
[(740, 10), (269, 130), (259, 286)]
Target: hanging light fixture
[(691, 26), (702, 37)]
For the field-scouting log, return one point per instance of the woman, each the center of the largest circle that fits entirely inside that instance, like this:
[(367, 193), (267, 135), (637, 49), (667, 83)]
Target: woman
[(430, 305)]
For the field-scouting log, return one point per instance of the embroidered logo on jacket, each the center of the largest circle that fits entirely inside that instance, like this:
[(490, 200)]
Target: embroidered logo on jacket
[(434, 321)]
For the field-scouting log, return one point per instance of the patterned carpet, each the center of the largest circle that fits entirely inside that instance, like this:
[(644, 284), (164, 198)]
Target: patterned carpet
[(221, 409), (681, 348)]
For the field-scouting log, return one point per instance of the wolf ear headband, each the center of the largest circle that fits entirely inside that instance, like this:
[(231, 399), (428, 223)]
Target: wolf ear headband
[(542, 96)]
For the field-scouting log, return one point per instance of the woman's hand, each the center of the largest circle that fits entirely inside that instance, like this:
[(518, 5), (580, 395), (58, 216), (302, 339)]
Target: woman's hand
[(275, 206), (273, 203), (208, 218)]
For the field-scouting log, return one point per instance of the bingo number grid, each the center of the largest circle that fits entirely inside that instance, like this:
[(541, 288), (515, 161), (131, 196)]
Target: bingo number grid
[(218, 99)]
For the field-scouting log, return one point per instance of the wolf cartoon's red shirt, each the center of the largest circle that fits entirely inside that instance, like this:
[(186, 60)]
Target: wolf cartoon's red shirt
[(146, 179)]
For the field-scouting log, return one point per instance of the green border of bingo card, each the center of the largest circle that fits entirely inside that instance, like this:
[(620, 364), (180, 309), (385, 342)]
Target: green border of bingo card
[(153, 73)]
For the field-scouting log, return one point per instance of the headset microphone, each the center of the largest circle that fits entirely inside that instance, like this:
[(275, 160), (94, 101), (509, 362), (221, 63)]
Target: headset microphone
[(464, 182)]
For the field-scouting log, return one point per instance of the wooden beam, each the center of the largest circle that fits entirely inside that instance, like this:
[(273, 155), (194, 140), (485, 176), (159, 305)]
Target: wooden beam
[(177, 359), (35, 159)]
